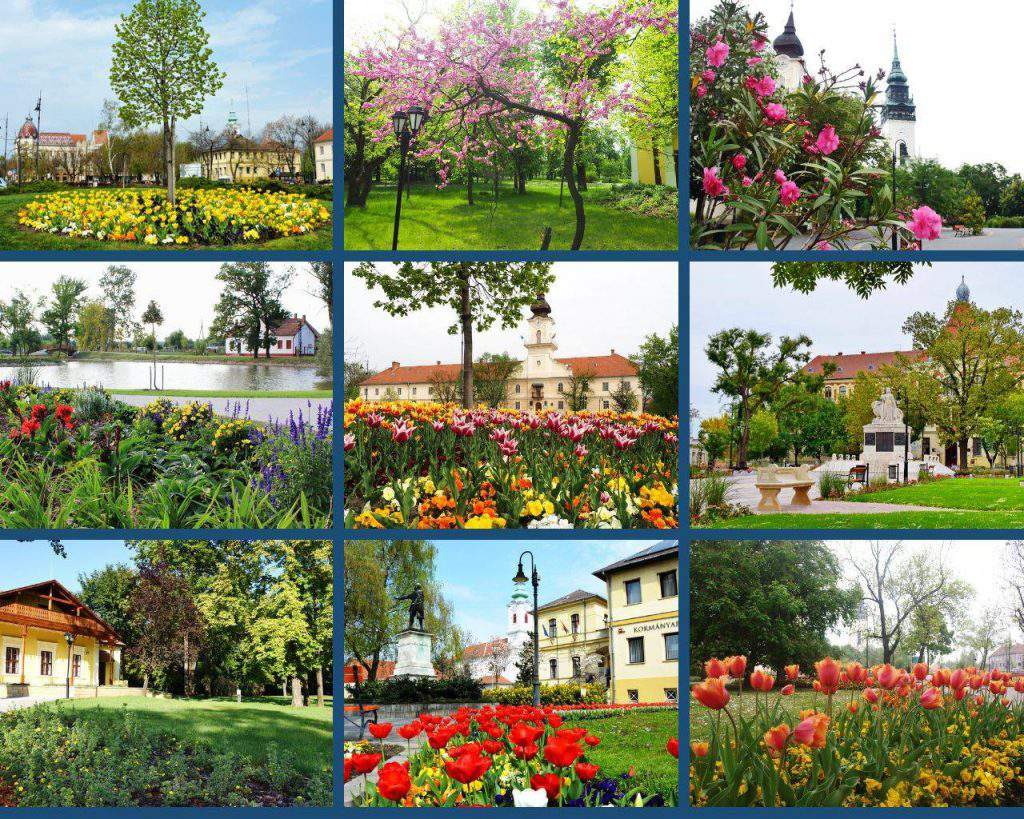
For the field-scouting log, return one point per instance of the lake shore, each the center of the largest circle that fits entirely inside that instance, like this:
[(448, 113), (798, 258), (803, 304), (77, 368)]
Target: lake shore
[(180, 358)]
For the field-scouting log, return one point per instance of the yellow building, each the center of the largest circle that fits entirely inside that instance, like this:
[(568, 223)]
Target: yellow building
[(643, 170), (574, 639), (238, 159), (643, 624), (41, 627)]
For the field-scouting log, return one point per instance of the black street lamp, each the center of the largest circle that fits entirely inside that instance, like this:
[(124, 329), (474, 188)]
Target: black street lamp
[(69, 638), (407, 125), (535, 579)]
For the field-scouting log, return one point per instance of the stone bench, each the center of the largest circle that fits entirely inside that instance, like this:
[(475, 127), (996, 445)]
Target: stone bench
[(773, 479)]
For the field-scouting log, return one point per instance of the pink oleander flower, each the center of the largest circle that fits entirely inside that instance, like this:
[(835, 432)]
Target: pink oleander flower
[(925, 223), (713, 186), (747, 181), (759, 44), (823, 246), (774, 113), (763, 86), (702, 91), (789, 193), (739, 162), (780, 177), (708, 76), (717, 54), (827, 141), (752, 61)]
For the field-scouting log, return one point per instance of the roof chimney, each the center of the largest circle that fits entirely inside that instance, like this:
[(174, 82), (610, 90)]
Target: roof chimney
[(439, 362), (613, 351), (395, 365)]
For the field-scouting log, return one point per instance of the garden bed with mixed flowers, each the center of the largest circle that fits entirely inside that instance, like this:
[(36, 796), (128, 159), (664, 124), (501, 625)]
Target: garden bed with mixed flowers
[(496, 756), (198, 217), (881, 736), (437, 466), (80, 459)]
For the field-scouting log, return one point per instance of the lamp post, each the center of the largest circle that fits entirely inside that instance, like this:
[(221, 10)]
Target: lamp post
[(535, 580), (69, 638), (407, 125)]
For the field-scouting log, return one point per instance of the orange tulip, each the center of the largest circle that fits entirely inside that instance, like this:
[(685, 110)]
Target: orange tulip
[(712, 694), (888, 677), (920, 671), (853, 707), (715, 668), (959, 693), (871, 695), (1018, 685), (776, 738), (737, 666), (812, 731), (699, 749), (762, 679), (932, 698), (792, 672), (787, 690), (828, 675), (856, 673)]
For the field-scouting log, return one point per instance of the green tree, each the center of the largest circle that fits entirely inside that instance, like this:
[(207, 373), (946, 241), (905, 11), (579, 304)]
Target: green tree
[(19, 316), (863, 278), (764, 432), (250, 305), (524, 663), (118, 285), (1011, 202), (988, 180), (177, 340), (930, 634), (152, 316), (95, 329), (481, 294), (576, 389), (715, 436), (658, 370), (774, 601), (163, 70), (492, 376), (624, 399), (61, 315)]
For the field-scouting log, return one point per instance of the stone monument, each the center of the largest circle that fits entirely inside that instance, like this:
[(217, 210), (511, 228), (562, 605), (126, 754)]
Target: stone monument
[(415, 645), (884, 439)]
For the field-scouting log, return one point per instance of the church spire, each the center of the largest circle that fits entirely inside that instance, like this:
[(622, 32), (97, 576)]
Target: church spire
[(788, 43)]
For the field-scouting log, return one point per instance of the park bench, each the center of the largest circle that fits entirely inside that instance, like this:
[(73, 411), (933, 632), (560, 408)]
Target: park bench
[(772, 480), (363, 715), (858, 474)]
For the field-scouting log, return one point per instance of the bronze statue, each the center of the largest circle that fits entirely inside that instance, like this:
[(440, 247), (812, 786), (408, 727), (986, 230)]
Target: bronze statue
[(415, 598)]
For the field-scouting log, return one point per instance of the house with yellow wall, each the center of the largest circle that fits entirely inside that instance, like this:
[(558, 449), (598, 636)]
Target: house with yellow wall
[(573, 640), (642, 591), (642, 166), (52, 643), (239, 159)]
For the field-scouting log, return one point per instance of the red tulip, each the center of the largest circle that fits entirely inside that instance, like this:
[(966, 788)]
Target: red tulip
[(856, 673), (888, 677), (761, 680), (523, 733), (349, 769), (853, 707), (715, 668), (775, 739), (673, 747), (525, 751), (958, 679), (792, 672), (364, 763), (379, 730), (871, 695), (554, 720), (585, 771), (932, 698), (737, 666), (711, 694), (562, 752), (492, 746), (959, 693), (411, 730), (593, 741), (440, 738), (551, 783), (393, 782), (467, 768), (920, 671), (473, 748), (787, 690), (828, 675)]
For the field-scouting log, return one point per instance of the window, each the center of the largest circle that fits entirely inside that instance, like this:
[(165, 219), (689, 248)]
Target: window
[(513, 617), (559, 386), (561, 404), (280, 344), (672, 646), (575, 620), (366, 392), (604, 386), (976, 447), (12, 660), (606, 405), (413, 390), (671, 694), (577, 667), (552, 628), (668, 583), (633, 694), (517, 405), (46, 663), (430, 390), (288, 344), (633, 592), (538, 336), (842, 390), (519, 388), (399, 390), (76, 666), (553, 668), (828, 392), (636, 650), (376, 390)]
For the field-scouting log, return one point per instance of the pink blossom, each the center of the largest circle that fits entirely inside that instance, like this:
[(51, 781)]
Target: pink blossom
[(823, 246), (827, 141), (702, 91), (350, 441), (708, 76), (717, 54), (759, 44), (789, 193), (752, 61), (764, 86), (713, 185), (747, 181), (780, 177), (739, 162), (774, 112), (925, 223)]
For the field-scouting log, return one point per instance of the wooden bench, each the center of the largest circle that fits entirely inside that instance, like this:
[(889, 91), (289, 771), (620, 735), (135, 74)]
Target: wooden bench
[(858, 474), (773, 479), (365, 714)]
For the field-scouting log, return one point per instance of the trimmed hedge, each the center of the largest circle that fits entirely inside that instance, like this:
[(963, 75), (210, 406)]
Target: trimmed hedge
[(1005, 222), (562, 694), (417, 689)]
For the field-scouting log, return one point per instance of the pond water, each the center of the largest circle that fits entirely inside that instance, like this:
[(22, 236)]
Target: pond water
[(172, 375)]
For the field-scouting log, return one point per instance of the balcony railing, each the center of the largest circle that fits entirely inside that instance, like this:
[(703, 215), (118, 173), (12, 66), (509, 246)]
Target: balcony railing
[(44, 618)]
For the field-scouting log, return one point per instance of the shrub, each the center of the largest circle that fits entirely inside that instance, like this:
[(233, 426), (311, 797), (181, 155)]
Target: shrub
[(659, 201), (831, 485), (561, 694), (42, 186), (708, 493), (417, 690), (1005, 222)]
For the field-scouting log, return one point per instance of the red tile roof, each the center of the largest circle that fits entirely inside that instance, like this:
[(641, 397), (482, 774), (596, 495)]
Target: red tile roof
[(480, 650), (490, 679), (598, 366), (850, 364), (290, 327), (355, 671), (326, 136)]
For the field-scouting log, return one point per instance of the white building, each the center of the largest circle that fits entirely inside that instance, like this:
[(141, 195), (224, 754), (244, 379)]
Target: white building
[(294, 337), (323, 156), (494, 662)]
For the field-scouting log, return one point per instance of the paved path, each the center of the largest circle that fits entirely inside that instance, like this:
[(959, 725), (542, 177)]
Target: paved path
[(991, 239), (743, 491), (14, 703), (260, 409)]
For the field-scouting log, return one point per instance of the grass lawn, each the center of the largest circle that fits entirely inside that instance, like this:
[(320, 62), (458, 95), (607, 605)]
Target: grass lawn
[(636, 739), (246, 728), (980, 494), (15, 237), (441, 220), (228, 393), (702, 720)]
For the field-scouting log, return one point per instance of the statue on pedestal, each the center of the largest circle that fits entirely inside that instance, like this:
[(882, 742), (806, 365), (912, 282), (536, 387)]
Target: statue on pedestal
[(415, 598)]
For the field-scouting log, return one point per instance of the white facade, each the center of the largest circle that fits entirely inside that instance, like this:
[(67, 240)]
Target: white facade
[(323, 157), (494, 662), (291, 339)]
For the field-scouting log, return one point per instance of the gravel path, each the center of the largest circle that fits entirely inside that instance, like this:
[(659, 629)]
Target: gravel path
[(260, 409)]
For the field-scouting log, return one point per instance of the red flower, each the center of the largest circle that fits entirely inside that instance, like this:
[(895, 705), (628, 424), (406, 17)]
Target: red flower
[(673, 747), (63, 412), (29, 427), (551, 783), (787, 690), (522, 733), (585, 771), (379, 730), (39, 412), (525, 751), (554, 720), (411, 730), (364, 763), (473, 748), (492, 746), (439, 738), (393, 782), (467, 768), (349, 769), (562, 752), (592, 741), (828, 675)]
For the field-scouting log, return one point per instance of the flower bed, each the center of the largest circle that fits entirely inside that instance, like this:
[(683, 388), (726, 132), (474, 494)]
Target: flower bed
[(436, 466), (203, 217), (500, 756), (583, 710), (79, 459), (873, 737)]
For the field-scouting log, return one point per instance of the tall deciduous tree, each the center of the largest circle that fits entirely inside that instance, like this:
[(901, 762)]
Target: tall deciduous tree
[(19, 316), (250, 305), (658, 367), (163, 69), (118, 286), (482, 294), (61, 314), (153, 316)]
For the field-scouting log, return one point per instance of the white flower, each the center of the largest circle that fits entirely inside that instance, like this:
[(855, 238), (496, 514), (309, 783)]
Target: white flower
[(549, 522), (388, 494), (530, 799)]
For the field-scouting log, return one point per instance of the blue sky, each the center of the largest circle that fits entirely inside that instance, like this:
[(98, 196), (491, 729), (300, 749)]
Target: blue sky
[(34, 561), (281, 50), (477, 575)]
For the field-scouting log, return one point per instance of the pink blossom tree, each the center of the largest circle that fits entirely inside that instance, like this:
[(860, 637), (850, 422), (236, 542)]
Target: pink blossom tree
[(523, 75)]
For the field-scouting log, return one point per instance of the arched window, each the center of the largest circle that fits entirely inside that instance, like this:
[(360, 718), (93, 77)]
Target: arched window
[(538, 336), (828, 392)]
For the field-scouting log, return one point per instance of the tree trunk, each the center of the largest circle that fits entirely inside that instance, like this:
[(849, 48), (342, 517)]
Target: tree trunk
[(572, 138), (145, 683), (170, 169), (469, 184), (466, 318), (741, 450), (962, 448), (284, 687), (320, 686), (581, 175), (188, 675), (657, 163), (297, 701)]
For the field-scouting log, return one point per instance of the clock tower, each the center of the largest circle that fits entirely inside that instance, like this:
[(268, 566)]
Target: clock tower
[(899, 113)]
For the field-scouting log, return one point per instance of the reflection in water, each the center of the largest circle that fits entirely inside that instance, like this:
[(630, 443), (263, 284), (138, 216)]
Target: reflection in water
[(180, 375)]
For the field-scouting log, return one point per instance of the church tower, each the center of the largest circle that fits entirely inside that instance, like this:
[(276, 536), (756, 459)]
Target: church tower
[(519, 625), (899, 114), (540, 348), (790, 53)]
